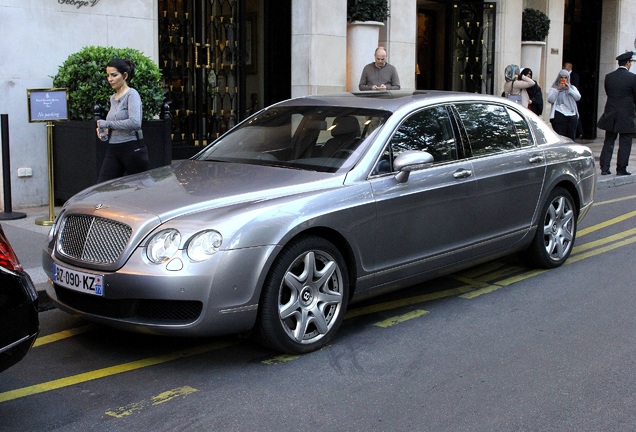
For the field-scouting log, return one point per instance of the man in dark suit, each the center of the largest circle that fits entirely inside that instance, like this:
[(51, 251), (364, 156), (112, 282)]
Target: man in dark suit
[(619, 116)]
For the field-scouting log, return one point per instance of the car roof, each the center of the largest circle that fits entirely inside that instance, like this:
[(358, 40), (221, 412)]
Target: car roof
[(386, 100)]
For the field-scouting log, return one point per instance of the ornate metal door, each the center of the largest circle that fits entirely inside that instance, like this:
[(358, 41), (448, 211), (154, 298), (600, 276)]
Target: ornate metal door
[(474, 51), (199, 58)]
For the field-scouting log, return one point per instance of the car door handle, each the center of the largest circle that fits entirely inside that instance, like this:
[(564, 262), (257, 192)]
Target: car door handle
[(462, 173), (535, 158)]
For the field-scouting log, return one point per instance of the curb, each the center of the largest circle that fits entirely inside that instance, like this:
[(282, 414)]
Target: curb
[(614, 181)]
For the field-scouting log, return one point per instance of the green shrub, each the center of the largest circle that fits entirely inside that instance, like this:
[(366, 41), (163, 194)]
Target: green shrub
[(84, 74), (367, 10), (535, 25)]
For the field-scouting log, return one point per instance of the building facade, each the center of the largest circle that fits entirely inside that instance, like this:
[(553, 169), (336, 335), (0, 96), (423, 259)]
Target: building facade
[(224, 59)]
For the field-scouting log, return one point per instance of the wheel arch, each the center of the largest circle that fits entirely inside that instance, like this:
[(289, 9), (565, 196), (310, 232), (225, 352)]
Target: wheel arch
[(568, 184), (572, 189), (339, 241)]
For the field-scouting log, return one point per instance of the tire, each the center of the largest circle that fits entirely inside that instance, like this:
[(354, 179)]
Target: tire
[(304, 297), (556, 231)]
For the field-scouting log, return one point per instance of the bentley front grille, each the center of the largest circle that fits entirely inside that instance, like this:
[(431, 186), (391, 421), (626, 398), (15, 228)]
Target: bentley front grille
[(93, 239)]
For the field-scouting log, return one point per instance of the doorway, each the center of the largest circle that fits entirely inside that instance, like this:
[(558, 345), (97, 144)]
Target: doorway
[(457, 37), (221, 61), (581, 47)]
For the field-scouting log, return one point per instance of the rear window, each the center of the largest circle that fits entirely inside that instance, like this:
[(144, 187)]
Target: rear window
[(542, 131)]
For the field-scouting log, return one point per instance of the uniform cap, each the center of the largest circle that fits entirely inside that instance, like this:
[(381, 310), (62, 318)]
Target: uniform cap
[(625, 56)]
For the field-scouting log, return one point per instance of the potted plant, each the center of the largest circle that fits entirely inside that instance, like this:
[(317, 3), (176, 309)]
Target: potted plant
[(367, 10), (535, 26), (77, 152), (364, 17)]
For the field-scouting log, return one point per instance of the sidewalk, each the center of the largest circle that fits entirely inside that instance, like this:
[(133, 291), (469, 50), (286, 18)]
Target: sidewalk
[(28, 238), (611, 180)]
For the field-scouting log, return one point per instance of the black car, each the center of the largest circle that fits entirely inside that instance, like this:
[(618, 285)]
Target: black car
[(19, 322)]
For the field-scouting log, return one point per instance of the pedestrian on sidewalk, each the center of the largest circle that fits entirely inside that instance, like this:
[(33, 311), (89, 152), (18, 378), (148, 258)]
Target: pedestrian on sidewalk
[(619, 117), (126, 152), (576, 82), (516, 85), (379, 75), (535, 94), (564, 114)]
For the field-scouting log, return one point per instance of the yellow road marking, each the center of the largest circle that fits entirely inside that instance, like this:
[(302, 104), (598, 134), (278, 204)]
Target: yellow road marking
[(615, 200), (155, 400), (112, 370), (401, 318), (280, 359), (406, 302), (43, 340), (605, 240), (501, 284), (605, 224), (599, 251), (483, 269), (468, 291), (571, 260)]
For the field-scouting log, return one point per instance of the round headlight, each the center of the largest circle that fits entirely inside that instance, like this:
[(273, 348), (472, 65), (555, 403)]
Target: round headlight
[(163, 245), (203, 245)]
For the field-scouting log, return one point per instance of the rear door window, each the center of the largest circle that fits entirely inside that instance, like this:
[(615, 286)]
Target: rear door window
[(489, 128)]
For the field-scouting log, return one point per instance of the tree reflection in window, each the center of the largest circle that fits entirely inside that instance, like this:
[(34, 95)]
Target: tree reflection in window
[(489, 128), (523, 130), (428, 130)]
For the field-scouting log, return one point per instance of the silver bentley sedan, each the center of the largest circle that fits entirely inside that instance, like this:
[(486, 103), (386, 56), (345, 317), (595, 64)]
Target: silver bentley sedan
[(313, 203)]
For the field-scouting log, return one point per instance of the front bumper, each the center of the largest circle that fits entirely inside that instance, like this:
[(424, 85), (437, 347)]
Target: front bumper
[(215, 297)]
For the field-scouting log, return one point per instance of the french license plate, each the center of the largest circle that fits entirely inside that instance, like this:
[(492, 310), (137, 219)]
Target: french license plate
[(79, 281)]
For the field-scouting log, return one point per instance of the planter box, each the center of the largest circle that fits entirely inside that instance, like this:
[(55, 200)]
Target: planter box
[(362, 40), (78, 153), (532, 57)]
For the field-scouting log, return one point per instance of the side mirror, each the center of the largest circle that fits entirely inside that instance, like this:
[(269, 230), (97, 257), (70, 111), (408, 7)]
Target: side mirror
[(411, 160)]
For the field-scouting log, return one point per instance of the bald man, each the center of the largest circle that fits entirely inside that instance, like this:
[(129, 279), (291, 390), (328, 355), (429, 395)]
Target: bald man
[(379, 75)]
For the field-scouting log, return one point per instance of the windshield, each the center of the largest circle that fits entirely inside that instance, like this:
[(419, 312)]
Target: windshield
[(314, 138)]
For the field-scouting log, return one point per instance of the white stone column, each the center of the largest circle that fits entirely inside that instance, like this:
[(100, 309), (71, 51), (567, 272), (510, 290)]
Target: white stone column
[(507, 39), (400, 40), (617, 36), (362, 41), (554, 48), (319, 47)]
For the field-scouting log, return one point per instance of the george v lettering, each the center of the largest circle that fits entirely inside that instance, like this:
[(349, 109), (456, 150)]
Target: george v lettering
[(78, 3)]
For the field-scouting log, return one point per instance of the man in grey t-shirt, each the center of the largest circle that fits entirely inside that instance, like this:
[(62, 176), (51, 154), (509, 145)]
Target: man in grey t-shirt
[(379, 75)]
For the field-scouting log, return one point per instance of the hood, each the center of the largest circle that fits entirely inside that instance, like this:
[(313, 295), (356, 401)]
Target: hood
[(563, 72), (190, 186)]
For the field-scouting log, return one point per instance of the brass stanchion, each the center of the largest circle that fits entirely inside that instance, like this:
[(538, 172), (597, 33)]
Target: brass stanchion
[(43, 220)]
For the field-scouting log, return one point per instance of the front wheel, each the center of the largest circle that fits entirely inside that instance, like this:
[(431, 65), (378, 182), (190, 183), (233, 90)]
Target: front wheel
[(555, 234), (304, 297)]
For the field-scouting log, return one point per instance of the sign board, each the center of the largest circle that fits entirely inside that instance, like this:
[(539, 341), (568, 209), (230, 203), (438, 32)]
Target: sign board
[(47, 105)]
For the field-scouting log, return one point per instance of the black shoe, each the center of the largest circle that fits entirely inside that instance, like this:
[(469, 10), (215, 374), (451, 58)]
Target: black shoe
[(605, 172), (622, 173)]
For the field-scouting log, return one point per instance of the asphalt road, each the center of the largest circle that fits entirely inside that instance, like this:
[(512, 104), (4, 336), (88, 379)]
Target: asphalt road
[(497, 347)]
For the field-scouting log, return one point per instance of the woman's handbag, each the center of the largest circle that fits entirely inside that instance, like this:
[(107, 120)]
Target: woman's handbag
[(515, 98)]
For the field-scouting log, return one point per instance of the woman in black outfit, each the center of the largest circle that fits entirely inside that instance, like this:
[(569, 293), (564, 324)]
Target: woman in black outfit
[(535, 95)]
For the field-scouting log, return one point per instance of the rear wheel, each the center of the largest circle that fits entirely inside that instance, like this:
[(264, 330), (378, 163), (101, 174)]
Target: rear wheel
[(555, 234), (304, 297)]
